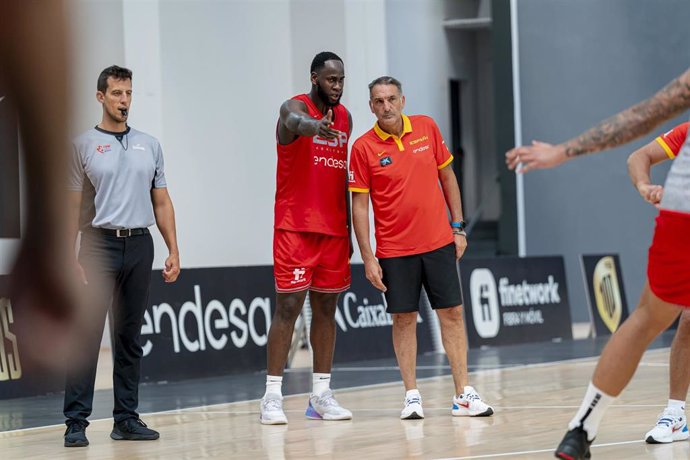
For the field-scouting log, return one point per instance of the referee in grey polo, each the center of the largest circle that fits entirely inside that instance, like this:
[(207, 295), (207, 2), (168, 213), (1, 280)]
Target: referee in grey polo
[(117, 190)]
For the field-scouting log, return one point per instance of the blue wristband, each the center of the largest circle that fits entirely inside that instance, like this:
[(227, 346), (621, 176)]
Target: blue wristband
[(460, 225)]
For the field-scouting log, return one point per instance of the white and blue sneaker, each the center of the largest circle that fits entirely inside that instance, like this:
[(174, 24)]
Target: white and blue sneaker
[(470, 404), (671, 426), (412, 410), (325, 407), (272, 410)]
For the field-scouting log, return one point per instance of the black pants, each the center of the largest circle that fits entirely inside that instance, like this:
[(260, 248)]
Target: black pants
[(118, 271)]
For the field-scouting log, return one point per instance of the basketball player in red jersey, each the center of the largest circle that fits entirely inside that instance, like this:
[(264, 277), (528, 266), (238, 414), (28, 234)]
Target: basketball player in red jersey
[(311, 244), (672, 423), (667, 291)]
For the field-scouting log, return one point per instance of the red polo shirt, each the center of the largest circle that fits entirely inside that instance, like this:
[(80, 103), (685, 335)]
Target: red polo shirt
[(401, 176)]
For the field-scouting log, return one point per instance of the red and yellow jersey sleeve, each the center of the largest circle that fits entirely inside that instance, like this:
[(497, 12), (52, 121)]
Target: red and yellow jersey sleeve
[(673, 140), (358, 175)]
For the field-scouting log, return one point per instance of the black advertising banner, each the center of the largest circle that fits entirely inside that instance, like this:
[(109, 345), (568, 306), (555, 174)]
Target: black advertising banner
[(605, 293), (511, 300), (9, 167), (212, 321), (19, 376), (364, 327), (215, 321)]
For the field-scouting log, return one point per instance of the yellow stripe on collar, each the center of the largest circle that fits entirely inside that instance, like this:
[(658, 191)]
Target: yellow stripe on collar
[(384, 136)]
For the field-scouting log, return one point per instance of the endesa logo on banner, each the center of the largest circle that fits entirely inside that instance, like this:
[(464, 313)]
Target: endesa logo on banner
[(515, 300), (212, 321)]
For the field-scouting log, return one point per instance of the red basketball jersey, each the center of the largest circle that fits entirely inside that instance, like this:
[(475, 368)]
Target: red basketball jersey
[(312, 179)]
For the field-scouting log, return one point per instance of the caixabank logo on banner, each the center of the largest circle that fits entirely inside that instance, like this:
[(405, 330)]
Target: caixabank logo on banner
[(215, 321), (515, 300), (364, 327), (606, 295)]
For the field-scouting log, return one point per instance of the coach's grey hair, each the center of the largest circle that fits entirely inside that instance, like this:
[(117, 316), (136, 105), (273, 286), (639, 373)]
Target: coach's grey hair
[(385, 80)]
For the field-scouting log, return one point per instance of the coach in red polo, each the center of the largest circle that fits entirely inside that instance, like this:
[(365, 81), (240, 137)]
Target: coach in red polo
[(398, 164)]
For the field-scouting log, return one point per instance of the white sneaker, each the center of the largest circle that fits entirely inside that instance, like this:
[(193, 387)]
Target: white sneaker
[(470, 404), (413, 408), (272, 410), (671, 426), (325, 407)]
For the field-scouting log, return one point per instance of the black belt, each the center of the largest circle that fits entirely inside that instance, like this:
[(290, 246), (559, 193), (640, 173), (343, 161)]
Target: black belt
[(123, 233)]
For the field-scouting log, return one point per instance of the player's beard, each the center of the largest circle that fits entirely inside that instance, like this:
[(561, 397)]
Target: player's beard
[(326, 98)]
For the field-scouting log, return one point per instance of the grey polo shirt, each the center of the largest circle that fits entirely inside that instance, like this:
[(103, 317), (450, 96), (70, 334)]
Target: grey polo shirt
[(115, 173)]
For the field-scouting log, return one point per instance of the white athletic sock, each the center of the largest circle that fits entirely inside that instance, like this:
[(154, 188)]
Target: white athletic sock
[(413, 393), (274, 385), (676, 404), (591, 411), (320, 383)]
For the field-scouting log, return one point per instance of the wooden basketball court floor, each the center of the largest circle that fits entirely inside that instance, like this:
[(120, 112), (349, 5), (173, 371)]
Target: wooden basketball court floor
[(533, 403)]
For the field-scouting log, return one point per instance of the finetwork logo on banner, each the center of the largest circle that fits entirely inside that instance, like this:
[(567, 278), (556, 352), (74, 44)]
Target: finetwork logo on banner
[(485, 301), (516, 300), (485, 312)]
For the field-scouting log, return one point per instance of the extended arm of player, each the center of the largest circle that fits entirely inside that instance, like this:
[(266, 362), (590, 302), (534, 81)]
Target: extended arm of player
[(295, 119), (165, 220), (619, 129)]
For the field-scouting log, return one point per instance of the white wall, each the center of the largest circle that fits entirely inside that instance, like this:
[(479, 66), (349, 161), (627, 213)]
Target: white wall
[(225, 70), (418, 56), (97, 29), (424, 56)]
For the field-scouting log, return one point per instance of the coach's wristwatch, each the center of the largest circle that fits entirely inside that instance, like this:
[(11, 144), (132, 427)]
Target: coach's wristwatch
[(459, 225)]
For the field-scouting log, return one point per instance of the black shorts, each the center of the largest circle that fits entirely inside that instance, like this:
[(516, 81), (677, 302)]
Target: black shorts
[(436, 270)]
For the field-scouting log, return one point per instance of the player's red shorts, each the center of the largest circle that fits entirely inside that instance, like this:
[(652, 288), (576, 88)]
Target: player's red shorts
[(310, 261), (668, 269)]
